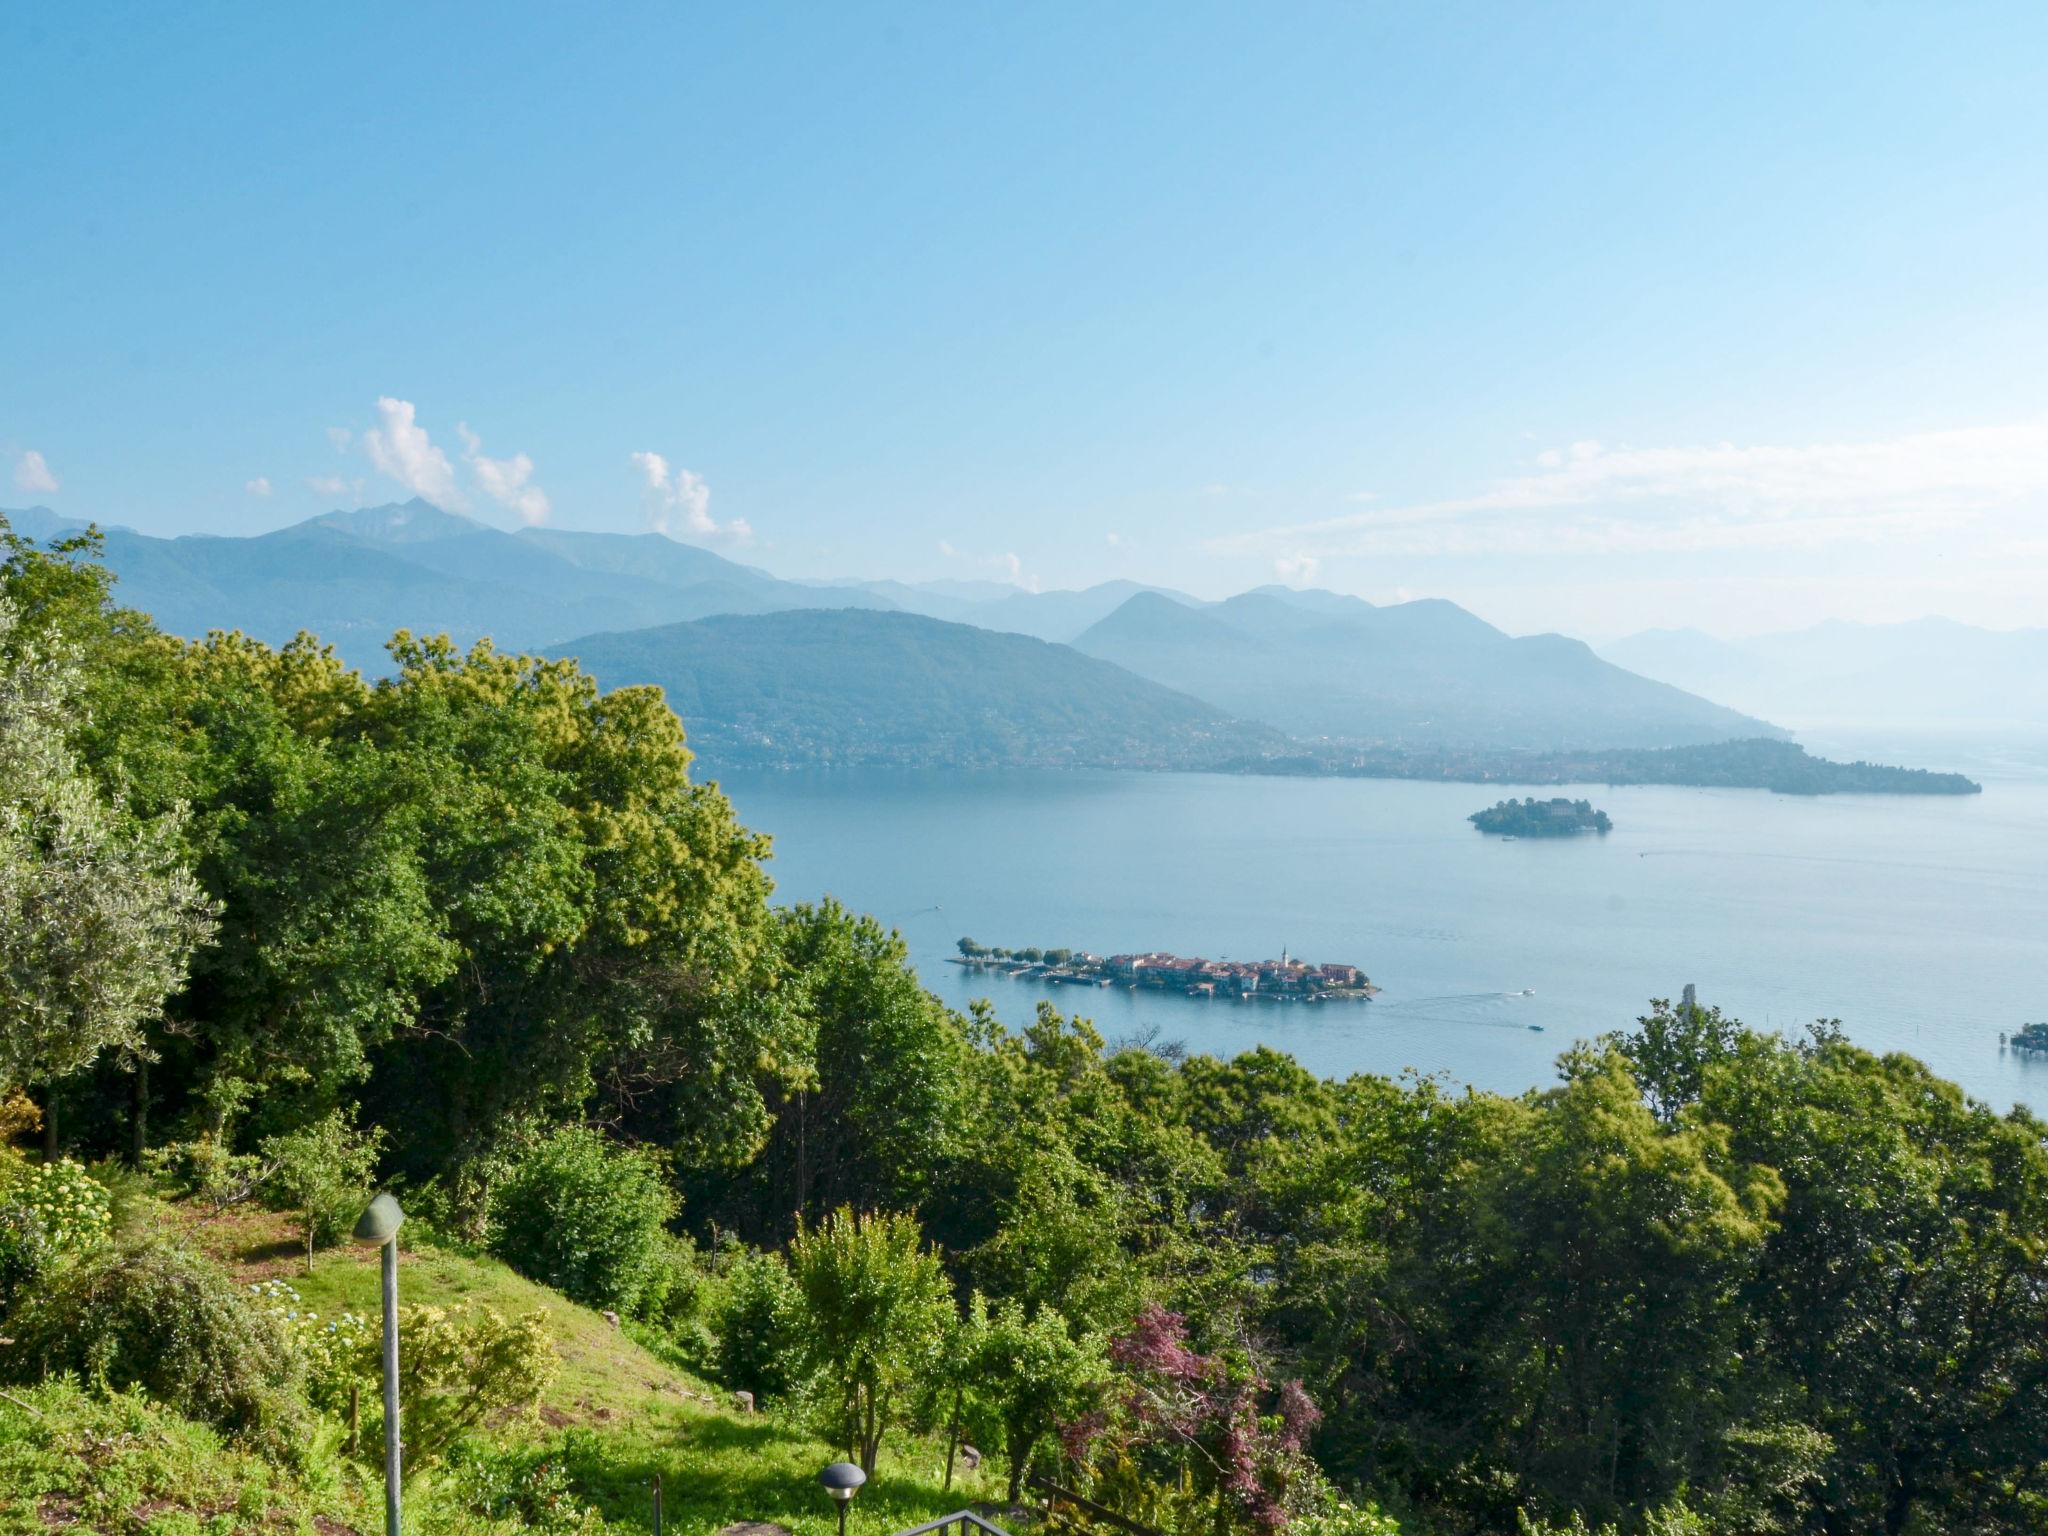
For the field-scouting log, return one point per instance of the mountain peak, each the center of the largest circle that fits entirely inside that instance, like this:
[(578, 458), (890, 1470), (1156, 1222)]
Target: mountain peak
[(399, 522), (1148, 617)]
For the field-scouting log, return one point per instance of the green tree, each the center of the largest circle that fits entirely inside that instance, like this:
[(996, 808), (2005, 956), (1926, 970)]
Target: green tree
[(1673, 1047), (1902, 1303), (877, 1309), (607, 913), (1033, 1376), (874, 1107), (98, 913), (1621, 1250), (321, 1170)]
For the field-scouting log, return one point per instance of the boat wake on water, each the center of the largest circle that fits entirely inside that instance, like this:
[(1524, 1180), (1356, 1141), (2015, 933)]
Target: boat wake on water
[(1457, 1008)]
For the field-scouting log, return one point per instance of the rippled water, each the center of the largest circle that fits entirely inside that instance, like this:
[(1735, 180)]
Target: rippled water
[(1921, 923)]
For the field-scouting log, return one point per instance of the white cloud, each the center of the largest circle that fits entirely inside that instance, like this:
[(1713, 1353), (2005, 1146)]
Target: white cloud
[(260, 486), (1297, 570), (32, 473), (1589, 499), (334, 485), (1119, 541), (1009, 564), (341, 437), (679, 502), (402, 451), (509, 482)]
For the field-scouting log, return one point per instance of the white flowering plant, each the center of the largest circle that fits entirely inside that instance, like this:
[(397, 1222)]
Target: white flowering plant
[(337, 1349)]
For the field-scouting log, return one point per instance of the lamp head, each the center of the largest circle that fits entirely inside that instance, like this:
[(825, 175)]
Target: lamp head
[(842, 1480), (379, 1222)]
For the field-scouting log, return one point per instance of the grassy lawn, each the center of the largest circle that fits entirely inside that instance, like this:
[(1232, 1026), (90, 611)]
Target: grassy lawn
[(616, 1417)]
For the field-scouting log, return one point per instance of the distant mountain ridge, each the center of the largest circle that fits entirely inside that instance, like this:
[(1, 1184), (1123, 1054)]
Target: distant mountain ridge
[(1318, 666), (355, 577), (1323, 666)]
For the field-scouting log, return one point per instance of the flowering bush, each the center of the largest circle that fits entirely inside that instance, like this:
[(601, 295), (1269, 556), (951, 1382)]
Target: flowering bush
[(48, 1213), (1207, 1424), (335, 1349), (72, 1209)]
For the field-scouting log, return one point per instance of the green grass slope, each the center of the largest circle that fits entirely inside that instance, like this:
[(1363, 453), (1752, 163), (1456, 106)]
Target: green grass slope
[(615, 1419)]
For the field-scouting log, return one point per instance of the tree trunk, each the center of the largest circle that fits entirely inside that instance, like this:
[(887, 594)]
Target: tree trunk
[(953, 1437), (50, 1125), (871, 1436), (140, 1119)]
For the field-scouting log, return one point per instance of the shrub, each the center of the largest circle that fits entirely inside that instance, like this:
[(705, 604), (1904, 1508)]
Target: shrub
[(205, 1169), (322, 1171), (461, 1367), (679, 1287), (524, 1485), (166, 1321), (49, 1213), (586, 1217), (757, 1319), (333, 1350)]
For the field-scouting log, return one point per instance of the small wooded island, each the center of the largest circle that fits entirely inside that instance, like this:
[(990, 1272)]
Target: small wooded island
[(1541, 818), (1285, 979), (2031, 1038)]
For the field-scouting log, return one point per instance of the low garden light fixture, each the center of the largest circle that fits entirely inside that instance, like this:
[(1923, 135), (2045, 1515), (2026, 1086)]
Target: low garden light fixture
[(842, 1480), (378, 1227)]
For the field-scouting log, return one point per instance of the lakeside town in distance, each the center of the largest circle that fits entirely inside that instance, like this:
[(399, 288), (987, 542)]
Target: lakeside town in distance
[(1284, 980)]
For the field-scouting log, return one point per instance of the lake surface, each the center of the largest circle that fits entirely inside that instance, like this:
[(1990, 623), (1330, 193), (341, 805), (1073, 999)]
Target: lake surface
[(1922, 923)]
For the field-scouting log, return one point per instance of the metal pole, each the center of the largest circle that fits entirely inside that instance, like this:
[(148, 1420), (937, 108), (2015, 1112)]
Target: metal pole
[(842, 1515), (391, 1386)]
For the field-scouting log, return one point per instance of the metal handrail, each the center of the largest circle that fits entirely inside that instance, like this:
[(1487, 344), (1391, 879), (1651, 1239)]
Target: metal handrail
[(958, 1517)]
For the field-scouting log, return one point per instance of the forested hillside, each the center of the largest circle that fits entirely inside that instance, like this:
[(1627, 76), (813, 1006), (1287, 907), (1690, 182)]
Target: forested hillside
[(273, 935), (846, 687)]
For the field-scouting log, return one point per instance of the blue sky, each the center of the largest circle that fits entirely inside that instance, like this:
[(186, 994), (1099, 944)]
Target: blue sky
[(1589, 317)]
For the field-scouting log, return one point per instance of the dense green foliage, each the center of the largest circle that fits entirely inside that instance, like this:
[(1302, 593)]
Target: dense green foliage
[(1710, 1281), (157, 1318), (586, 1217), (1530, 817), (874, 1319)]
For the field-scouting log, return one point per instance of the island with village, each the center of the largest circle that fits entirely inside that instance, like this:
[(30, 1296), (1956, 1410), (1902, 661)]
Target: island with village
[(1284, 980)]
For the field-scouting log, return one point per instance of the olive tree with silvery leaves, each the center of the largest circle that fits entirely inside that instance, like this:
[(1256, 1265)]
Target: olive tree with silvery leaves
[(98, 912)]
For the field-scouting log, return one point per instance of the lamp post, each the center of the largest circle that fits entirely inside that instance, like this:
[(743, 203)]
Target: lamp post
[(842, 1480), (378, 1228)]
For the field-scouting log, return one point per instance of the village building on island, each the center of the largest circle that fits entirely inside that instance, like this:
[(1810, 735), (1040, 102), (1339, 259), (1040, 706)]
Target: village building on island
[(1286, 979)]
